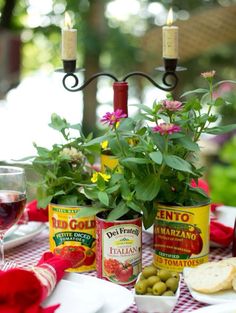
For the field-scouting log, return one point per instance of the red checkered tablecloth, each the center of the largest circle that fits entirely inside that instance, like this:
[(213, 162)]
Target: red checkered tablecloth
[(29, 253)]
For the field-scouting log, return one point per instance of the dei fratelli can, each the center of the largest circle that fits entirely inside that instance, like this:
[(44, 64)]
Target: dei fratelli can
[(119, 250), (181, 236)]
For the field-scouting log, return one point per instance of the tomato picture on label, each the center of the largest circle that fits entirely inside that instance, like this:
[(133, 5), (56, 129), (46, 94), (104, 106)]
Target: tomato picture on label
[(75, 254), (118, 271), (89, 257), (197, 243), (124, 272), (172, 240), (110, 266)]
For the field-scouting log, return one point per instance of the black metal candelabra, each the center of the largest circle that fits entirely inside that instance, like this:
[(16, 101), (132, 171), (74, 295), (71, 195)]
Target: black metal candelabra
[(169, 80)]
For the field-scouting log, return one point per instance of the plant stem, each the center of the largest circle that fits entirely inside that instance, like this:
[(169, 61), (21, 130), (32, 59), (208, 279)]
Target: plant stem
[(208, 112), (118, 140), (165, 152)]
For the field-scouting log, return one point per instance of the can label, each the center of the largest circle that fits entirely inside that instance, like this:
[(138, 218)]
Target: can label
[(119, 250), (72, 237), (181, 237)]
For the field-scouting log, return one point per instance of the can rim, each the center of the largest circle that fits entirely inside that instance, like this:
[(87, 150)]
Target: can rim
[(166, 205)]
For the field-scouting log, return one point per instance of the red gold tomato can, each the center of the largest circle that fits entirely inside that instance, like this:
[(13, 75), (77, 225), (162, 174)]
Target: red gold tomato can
[(119, 250), (73, 238), (181, 236)]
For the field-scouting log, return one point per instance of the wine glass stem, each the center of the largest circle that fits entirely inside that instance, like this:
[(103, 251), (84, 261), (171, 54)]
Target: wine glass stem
[(1, 250)]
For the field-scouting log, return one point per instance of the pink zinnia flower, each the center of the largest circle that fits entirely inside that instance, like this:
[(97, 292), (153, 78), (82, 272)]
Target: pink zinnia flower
[(113, 118), (172, 105), (208, 74), (166, 129)]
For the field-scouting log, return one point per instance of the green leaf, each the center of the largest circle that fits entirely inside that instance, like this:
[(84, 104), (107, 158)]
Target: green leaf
[(158, 140), (144, 108), (199, 90), (103, 198), (119, 211), (58, 123), (156, 157), (112, 189), (77, 127), (125, 190), (43, 203), (220, 129), (188, 144), (212, 118), (42, 152), (148, 188), (90, 194), (134, 207), (96, 140), (219, 101), (70, 200), (177, 163), (126, 124), (149, 213), (88, 211), (134, 160)]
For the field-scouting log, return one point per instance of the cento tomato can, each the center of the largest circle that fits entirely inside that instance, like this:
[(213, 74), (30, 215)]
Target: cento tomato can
[(181, 236), (119, 250), (73, 238)]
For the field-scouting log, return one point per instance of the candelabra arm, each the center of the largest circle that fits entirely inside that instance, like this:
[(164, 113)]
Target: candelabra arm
[(76, 79), (169, 87)]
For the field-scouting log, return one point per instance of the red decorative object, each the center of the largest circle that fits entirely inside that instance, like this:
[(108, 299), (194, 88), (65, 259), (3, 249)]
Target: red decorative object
[(31, 286), (121, 96)]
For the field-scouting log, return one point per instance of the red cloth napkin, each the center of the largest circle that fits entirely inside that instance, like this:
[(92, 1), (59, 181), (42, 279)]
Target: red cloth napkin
[(23, 290), (34, 214), (219, 233)]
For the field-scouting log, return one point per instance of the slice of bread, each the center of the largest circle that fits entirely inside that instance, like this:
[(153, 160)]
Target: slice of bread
[(231, 261), (211, 277)]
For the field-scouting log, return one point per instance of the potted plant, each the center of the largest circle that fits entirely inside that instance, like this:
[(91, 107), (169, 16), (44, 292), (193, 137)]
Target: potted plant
[(158, 157), (60, 169)]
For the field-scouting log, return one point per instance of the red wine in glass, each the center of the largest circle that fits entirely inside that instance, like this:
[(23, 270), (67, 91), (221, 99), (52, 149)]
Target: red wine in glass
[(12, 200), (12, 204)]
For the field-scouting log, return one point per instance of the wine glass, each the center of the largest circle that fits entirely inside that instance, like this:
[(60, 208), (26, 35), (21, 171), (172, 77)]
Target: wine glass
[(12, 200)]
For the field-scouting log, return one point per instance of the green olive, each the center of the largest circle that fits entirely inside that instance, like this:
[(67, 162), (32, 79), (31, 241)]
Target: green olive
[(168, 293), (172, 284), (159, 288), (149, 271), (149, 291), (141, 277), (152, 280), (164, 274), (175, 275), (141, 287)]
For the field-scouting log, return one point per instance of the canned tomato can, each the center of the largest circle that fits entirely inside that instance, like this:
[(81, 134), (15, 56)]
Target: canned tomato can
[(119, 250), (73, 238), (181, 236)]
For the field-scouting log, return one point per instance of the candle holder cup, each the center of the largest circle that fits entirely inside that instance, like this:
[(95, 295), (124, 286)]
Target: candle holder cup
[(69, 66), (170, 65)]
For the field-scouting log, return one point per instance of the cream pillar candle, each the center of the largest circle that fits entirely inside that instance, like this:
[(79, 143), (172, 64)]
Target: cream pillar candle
[(170, 39), (69, 40)]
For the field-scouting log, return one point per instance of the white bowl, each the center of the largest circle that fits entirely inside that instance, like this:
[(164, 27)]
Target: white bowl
[(156, 304)]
